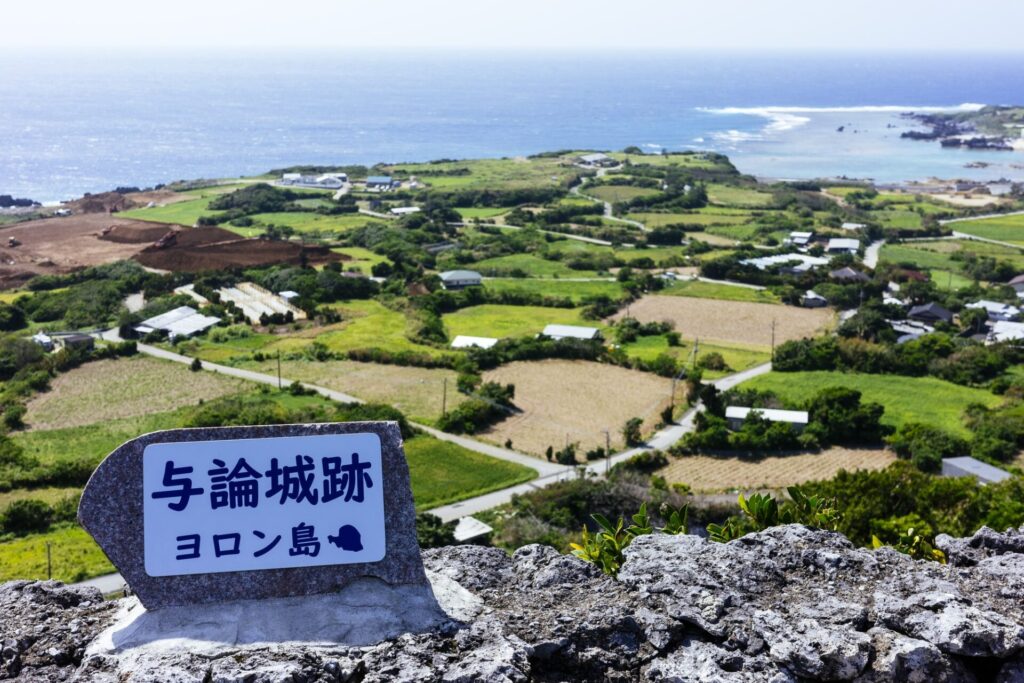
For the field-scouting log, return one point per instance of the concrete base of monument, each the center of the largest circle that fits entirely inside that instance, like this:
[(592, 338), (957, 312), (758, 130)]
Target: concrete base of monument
[(365, 612)]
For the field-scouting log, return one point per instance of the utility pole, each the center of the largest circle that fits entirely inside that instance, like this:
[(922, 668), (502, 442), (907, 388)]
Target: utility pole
[(693, 356), (49, 563), (279, 369), (607, 451), (444, 398), (773, 340)]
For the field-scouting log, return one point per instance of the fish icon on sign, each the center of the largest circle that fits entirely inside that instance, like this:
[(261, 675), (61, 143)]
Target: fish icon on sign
[(348, 538)]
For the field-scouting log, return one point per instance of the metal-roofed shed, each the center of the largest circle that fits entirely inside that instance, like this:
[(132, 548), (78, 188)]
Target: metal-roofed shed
[(967, 466)]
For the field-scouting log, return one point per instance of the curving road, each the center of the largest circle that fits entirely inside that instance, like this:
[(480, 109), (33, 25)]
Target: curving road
[(547, 473)]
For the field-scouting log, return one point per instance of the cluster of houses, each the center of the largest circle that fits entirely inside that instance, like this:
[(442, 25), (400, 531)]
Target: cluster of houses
[(326, 181), (335, 181), (803, 240)]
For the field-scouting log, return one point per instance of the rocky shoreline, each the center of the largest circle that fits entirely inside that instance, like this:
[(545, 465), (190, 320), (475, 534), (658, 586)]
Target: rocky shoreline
[(787, 604)]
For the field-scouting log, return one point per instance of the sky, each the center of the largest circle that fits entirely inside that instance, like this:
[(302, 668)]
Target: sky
[(863, 25)]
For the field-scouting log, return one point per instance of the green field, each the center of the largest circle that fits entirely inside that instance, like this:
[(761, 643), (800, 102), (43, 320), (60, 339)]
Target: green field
[(483, 213), (618, 193), (75, 556), (492, 320), (936, 256), (738, 233), (363, 259), (898, 218), (656, 220), (689, 160), (906, 399), (302, 221), (366, 324), (713, 290), (182, 213), (493, 174), (1004, 228), (727, 195), (444, 472), (736, 357), (577, 291), (532, 266)]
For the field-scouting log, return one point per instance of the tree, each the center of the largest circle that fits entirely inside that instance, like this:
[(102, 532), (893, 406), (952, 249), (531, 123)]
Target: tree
[(431, 532), (631, 432)]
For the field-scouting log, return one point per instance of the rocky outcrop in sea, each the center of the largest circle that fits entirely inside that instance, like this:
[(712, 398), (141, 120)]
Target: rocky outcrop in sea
[(787, 604)]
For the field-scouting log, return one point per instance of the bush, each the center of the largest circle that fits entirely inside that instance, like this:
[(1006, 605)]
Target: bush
[(431, 532), (631, 432), (926, 445), (26, 516), (647, 462), (196, 365)]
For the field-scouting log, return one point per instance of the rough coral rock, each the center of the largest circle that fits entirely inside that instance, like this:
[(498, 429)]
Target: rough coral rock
[(787, 604)]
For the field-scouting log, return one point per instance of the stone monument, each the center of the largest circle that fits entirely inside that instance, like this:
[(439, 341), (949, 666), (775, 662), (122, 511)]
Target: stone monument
[(273, 533)]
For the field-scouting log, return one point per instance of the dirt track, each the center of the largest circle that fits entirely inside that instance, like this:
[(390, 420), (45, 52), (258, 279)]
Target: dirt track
[(60, 245), (730, 321)]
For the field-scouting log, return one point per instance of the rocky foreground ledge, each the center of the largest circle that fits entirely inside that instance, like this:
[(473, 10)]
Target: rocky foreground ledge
[(788, 604)]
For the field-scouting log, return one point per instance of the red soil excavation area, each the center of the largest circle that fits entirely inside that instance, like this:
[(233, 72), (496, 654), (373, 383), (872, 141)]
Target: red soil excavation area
[(66, 244)]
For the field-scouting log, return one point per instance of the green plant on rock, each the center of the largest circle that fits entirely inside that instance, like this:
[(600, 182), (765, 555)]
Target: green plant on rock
[(762, 511), (914, 544), (605, 546)]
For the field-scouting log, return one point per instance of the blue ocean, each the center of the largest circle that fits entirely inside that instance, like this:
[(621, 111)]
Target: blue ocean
[(86, 122)]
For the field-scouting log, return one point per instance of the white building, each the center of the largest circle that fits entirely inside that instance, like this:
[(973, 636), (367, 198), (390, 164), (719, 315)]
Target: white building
[(464, 342), (595, 160), (460, 279), (255, 302), (798, 263), (909, 329), (799, 239), (1005, 331), (327, 181), (572, 332), (183, 321), (853, 226), (967, 466), (470, 528), (842, 245), (405, 210), (735, 415), (44, 340), (812, 299), (996, 310)]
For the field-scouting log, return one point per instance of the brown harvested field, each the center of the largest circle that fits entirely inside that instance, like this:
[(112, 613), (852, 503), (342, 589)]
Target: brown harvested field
[(129, 387), (740, 322), (417, 392), (197, 249), (59, 245), (578, 399), (706, 473)]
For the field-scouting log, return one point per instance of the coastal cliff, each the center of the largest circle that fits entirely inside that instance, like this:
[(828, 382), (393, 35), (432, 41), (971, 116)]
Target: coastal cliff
[(787, 604)]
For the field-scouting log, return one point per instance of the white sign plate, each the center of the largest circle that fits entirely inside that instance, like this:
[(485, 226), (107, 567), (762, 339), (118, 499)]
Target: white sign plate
[(248, 504)]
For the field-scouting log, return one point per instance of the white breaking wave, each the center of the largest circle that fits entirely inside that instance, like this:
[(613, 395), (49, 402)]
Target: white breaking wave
[(735, 136), (781, 119), (772, 111)]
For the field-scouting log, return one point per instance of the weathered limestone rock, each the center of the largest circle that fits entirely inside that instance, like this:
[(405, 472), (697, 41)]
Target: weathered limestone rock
[(789, 604)]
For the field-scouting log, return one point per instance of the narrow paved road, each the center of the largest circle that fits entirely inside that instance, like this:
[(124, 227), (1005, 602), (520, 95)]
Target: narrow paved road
[(540, 466), (608, 214), (965, 236), (872, 252), (552, 473), (986, 216), (567, 235)]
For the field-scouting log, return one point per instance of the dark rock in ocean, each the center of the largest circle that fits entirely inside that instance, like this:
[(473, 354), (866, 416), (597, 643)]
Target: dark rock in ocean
[(787, 604)]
